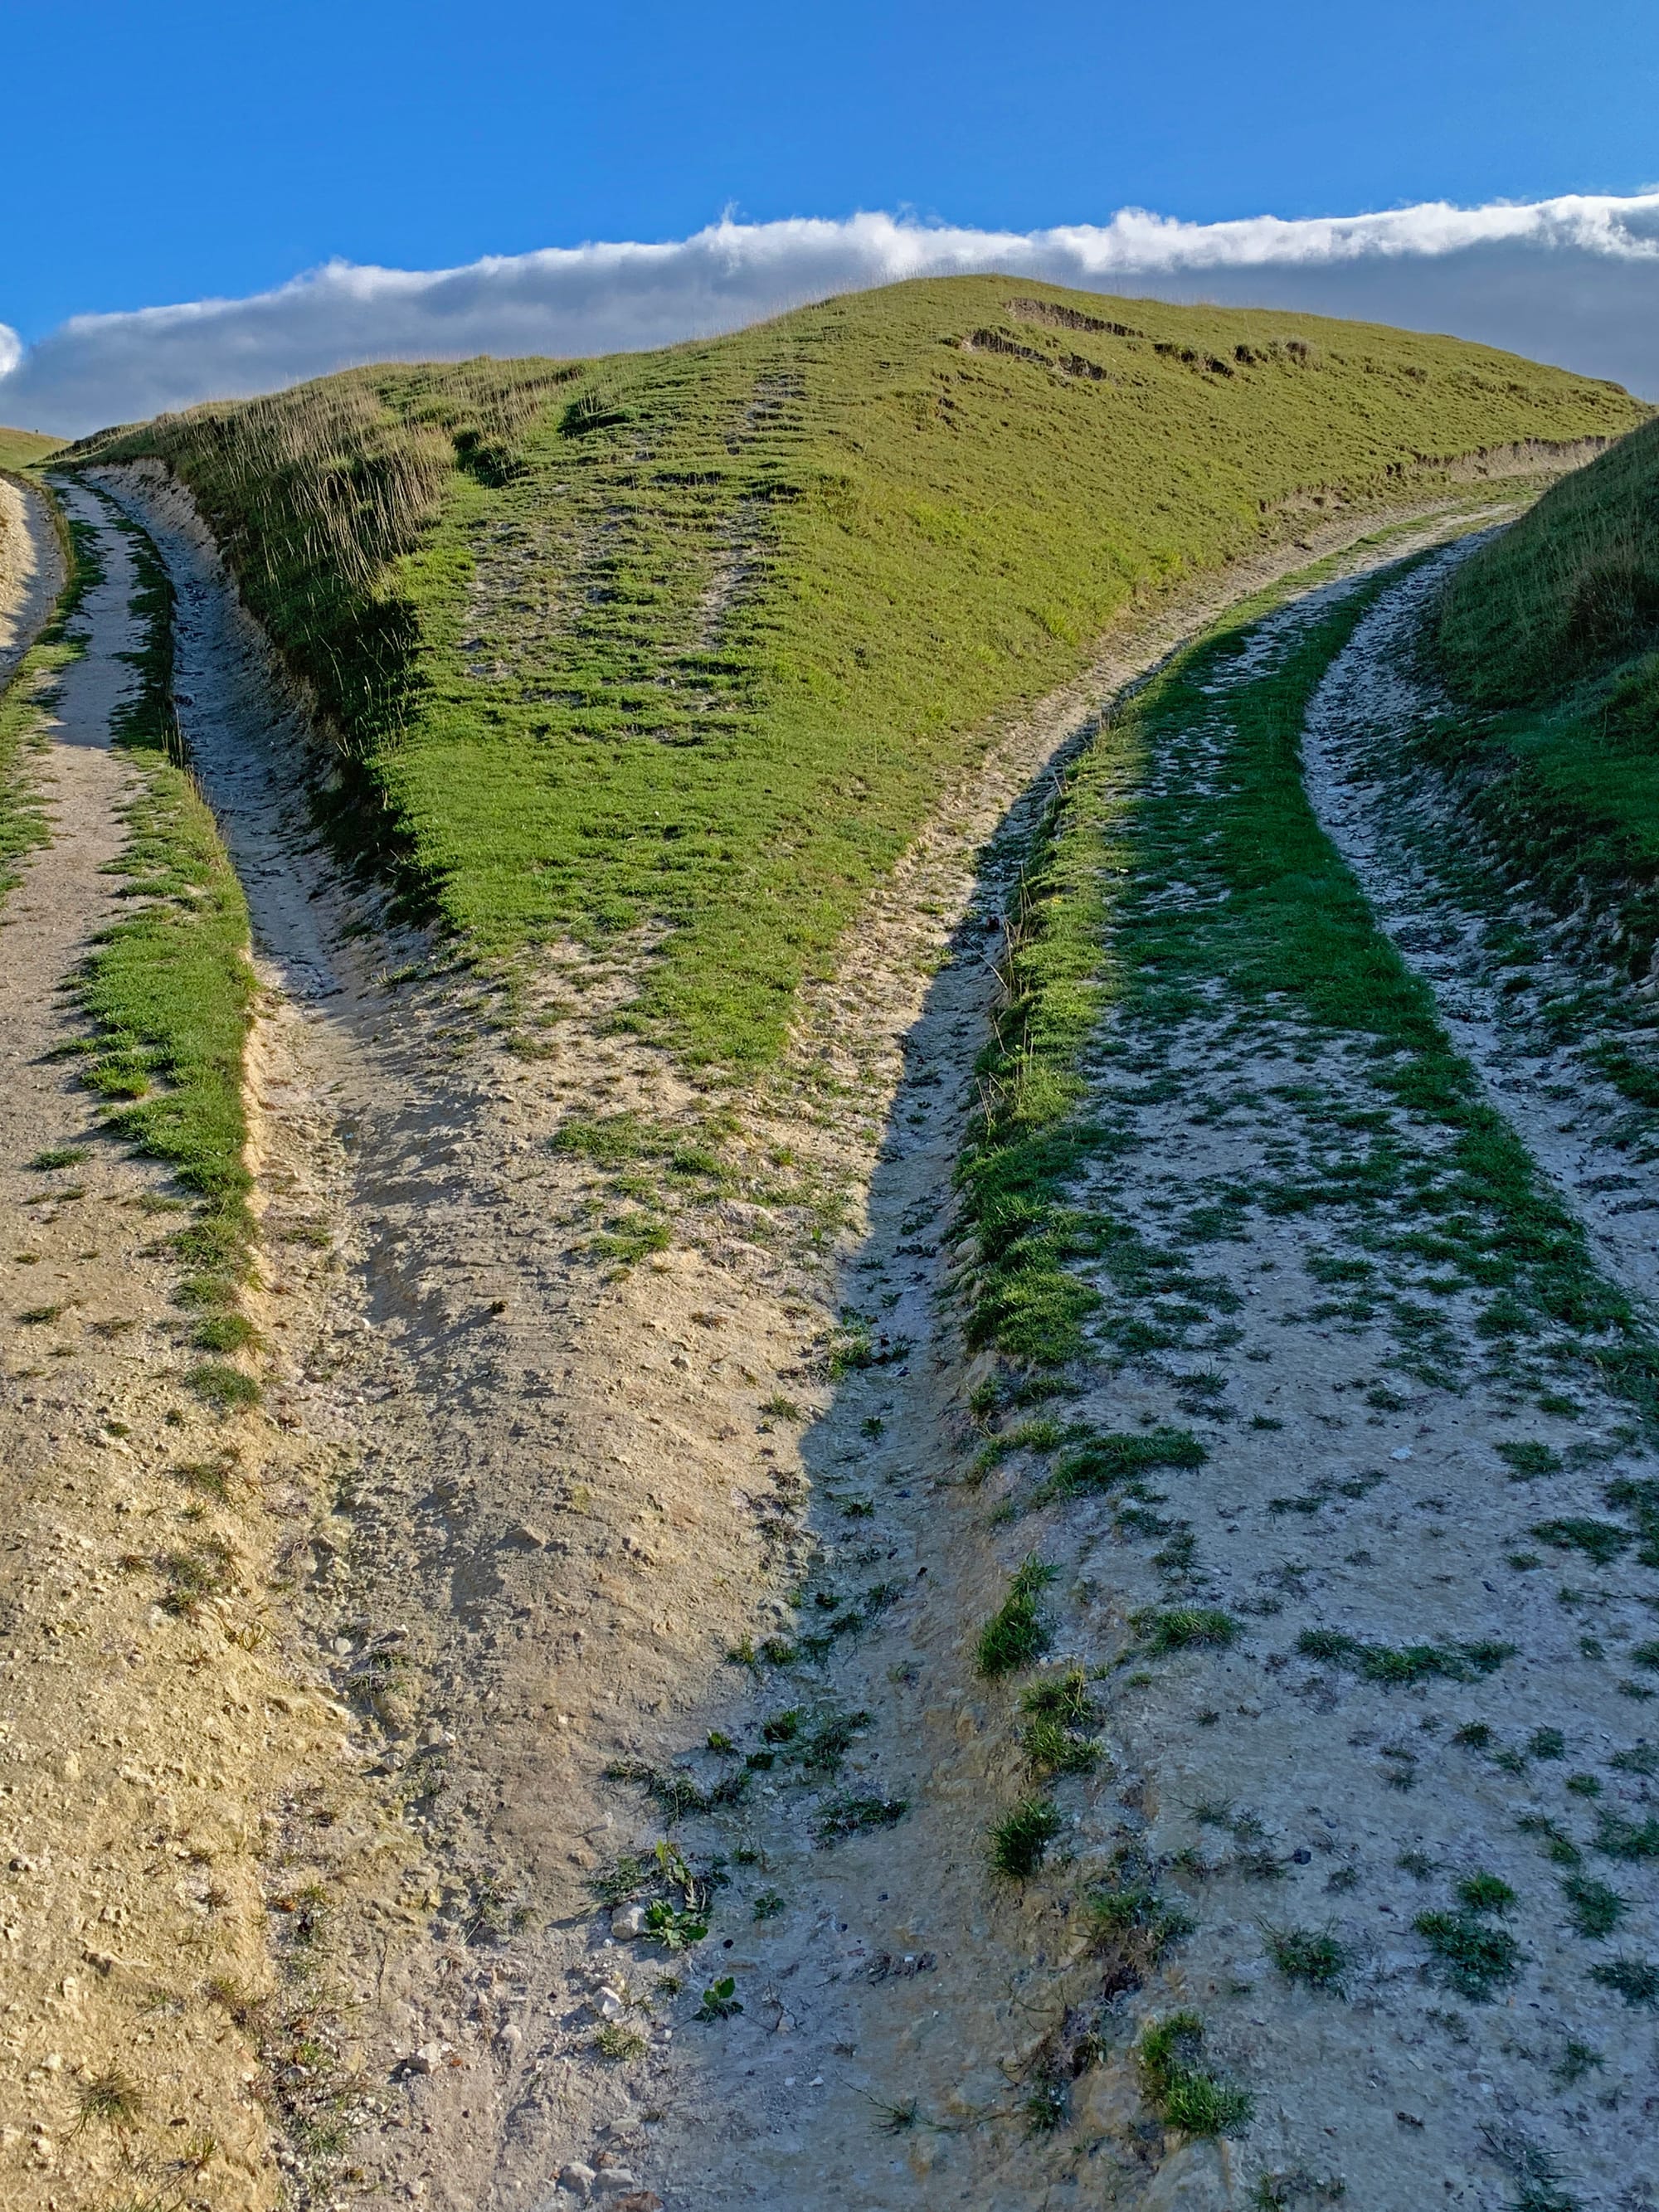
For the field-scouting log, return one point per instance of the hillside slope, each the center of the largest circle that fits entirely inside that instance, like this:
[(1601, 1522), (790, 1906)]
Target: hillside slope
[(19, 449), (688, 643)]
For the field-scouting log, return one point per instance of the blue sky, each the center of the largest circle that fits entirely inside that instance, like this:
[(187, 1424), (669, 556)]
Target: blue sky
[(180, 148)]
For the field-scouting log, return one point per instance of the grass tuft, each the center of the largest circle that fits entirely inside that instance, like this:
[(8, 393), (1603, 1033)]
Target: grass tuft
[(1185, 1628), (1017, 1635), (1466, 1954), (1020, 1840), (1179, 2090), (1312, 1956)]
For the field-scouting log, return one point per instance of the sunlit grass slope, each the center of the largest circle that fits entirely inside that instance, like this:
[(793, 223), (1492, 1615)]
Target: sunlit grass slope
[(19, 447), (1550, 635), (689, 642)]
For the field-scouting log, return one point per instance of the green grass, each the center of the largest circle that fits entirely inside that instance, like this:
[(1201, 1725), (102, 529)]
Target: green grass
[(1184, 1628), (1127, 1917), (168, 986), (1018, 1634), (853, 1816), (687, 644), (1568, 591), (1394, 1665), (1060, 1716), (1276, 921), (1181, 2092), (1108, 1460), (1020, 1840), (1468, 1955), (1313, 1956), (1595, 1908)]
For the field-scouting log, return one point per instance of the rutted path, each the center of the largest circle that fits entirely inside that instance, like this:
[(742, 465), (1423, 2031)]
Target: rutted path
[(1352, 1534), (1402, 832), (524, 1512), (132, 1739)]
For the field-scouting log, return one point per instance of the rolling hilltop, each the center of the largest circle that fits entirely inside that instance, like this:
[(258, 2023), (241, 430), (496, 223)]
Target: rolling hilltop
[(20, 449), (689, 642)]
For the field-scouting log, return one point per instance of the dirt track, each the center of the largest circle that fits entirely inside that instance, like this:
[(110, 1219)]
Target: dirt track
[(525, 1512), (135, 1742), (31, 569)]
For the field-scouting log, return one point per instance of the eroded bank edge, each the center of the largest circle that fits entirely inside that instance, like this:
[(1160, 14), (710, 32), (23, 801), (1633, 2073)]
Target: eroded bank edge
[(26, 698)]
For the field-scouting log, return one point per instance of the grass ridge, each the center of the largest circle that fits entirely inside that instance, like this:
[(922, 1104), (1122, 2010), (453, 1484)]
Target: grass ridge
[(671, 653)]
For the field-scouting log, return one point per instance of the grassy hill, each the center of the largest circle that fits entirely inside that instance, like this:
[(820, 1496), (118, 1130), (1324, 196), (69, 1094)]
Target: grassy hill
[(18, 449), (1549, 635), (687, 643)]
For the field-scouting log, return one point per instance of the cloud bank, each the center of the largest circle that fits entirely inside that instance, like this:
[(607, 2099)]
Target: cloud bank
[(1574, 281)]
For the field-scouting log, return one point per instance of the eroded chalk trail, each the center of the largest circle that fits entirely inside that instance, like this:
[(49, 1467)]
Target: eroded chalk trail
[(1521, 995), (530, 1512), (1351, 1526)]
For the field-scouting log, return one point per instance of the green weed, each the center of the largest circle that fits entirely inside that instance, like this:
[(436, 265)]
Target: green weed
[(1635, 1980), (719, 2000), (1180, 2091), (676, 1927), (1312, 1956), (1016, 1634), (1020, 1840)]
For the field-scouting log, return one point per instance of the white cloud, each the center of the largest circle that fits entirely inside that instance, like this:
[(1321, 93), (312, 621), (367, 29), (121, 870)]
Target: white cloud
[(1574, 280)]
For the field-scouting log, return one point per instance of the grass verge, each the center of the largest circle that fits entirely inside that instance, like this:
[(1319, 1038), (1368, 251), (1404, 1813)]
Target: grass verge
[(170, 991), (1271, 913)]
